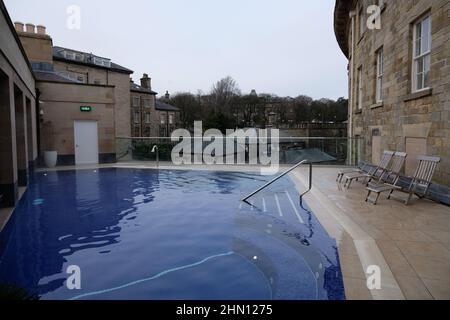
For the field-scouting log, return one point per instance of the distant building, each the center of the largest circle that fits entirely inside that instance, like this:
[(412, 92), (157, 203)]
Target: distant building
[(169, 118), (144, 117), (83, 99), (18, 116), (399, 78)]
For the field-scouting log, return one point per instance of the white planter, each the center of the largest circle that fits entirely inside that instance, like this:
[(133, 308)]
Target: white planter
[(50, 158)]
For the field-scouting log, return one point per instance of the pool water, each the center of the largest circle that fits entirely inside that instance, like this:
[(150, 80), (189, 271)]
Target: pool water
[(167, 234)]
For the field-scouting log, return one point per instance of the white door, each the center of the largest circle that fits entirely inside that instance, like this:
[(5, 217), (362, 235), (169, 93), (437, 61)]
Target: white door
[(86, 142)]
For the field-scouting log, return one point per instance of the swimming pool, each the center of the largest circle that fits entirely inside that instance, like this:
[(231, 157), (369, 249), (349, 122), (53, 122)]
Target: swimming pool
[(167, 234)]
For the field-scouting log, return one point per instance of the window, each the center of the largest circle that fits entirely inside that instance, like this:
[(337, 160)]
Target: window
[(380, 71), (147, 118), (163, 118), (137, 131), (421, 54), (147, 103), (79, 57), (137, 117), (102, 62), (70, 55), (359, 91), (170, 118), (136, 101), (362, 22)]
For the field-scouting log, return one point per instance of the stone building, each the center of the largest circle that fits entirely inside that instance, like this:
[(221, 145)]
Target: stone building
[(83, 99), (168, 115), (151, 117), (144, 117), (399, 77), (18, 136)]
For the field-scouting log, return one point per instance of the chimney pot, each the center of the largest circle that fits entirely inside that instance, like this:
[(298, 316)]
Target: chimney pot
[(146, 82), (30, 28), (41, 29), (167, 95), (19, 26)]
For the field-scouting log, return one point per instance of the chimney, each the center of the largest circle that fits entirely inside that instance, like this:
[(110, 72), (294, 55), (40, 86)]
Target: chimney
[(41, 29), (167, 96), (146, 82), (19, 26), (30, 28)]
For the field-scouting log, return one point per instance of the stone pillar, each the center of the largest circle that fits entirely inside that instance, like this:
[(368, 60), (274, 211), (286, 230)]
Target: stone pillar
[(8, 158), (31, 131), (21, 137)]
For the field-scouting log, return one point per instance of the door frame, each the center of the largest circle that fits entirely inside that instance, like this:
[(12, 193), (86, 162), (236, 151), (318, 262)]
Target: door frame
[(76, 145)]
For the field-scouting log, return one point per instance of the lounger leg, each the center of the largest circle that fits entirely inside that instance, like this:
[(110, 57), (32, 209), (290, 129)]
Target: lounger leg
[(376, 199), (338, 176), (349, 183), (409, 198), (368, 195), (390, 194)]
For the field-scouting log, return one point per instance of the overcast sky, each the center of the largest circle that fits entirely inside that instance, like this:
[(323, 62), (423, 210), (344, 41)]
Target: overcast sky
[(285, 47)]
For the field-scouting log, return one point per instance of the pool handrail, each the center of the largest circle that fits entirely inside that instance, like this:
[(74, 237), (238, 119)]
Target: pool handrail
[(281, 176)]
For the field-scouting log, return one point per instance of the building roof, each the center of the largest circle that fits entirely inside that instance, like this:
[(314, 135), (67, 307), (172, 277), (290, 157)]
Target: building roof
[(137, 88), (162, 106), (341, 24), (52, 76), (58, 54)]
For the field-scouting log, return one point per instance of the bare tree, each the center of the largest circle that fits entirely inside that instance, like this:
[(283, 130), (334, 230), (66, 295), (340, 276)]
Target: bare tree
[(223, 94)]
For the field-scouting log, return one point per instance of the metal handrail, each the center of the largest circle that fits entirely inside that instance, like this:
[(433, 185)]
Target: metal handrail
[(281, 176)]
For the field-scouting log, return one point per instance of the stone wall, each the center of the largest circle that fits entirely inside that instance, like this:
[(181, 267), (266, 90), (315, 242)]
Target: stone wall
[(143, 128), (121, 82), (61, 107), (408, 121)]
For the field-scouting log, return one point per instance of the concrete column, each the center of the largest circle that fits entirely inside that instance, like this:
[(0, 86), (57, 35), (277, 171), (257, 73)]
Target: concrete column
[(31, 131), (8, 157), (21, 137)]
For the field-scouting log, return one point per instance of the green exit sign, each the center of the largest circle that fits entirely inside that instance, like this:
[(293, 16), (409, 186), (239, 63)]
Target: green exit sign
[(85, 108)]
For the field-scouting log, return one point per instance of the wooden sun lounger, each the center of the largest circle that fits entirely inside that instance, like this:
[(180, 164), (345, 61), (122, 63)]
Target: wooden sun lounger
[(388, 177), (364, 168), (420, 182), (374, 173)]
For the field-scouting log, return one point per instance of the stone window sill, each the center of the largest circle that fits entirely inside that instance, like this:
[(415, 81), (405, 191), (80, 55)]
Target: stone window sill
[(358, 112), (377, 105), (418, 95)]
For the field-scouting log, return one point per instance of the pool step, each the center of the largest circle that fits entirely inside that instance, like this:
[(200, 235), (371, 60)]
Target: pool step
[(280, 204)]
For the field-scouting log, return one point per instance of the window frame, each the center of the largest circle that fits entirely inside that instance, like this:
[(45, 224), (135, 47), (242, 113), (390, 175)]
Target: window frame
[(148, 118), (359, 89), (138, 99), (136, 117), (421, 56), (379, 76)]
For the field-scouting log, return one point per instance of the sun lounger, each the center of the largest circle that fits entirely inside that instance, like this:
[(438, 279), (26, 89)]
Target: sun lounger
[(390, 176), (364, 168), (420, 182), (374, 173)]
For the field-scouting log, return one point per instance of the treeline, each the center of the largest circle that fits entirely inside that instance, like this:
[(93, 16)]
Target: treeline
[(225, 107)]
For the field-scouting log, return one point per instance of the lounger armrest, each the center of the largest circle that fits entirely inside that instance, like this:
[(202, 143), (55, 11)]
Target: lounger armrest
[(393, 186)]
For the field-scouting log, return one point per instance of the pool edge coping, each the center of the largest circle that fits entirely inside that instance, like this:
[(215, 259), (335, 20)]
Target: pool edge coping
[(336, 222)]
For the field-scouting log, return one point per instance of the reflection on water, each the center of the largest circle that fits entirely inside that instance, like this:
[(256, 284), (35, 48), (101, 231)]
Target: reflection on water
[(120, 225)]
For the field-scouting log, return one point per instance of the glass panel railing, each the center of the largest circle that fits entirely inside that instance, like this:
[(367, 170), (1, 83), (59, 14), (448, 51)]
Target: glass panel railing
[(291, 150)]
